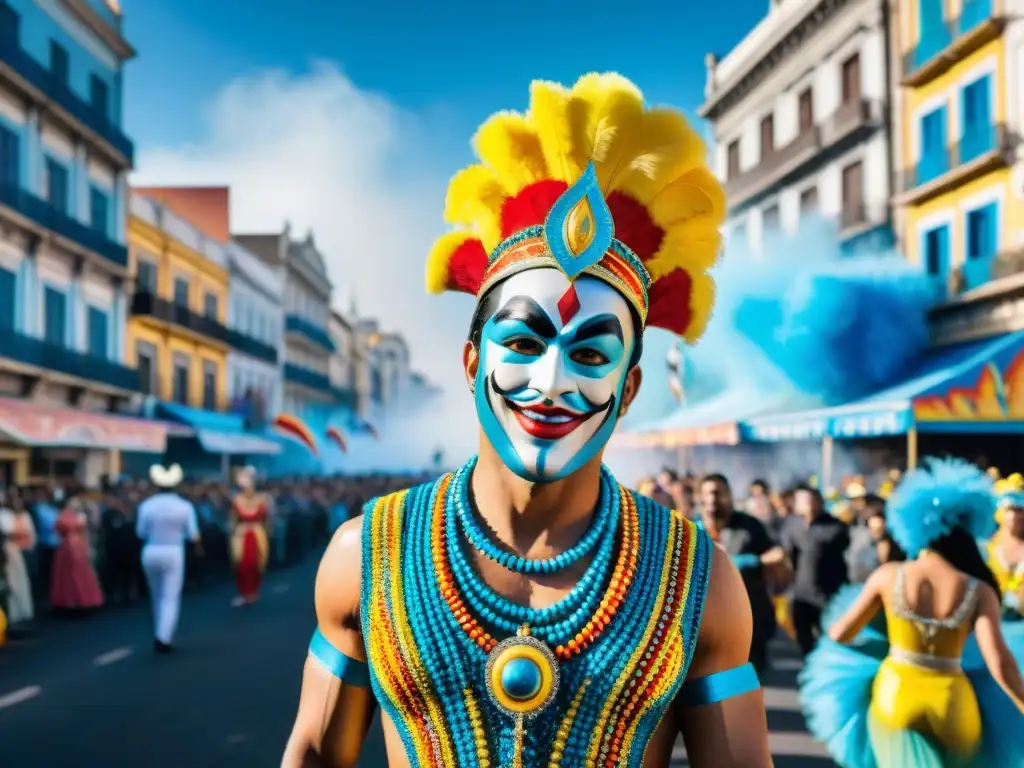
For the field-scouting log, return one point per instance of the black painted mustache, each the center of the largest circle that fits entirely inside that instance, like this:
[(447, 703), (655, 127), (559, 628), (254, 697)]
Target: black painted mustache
[(593, 407)]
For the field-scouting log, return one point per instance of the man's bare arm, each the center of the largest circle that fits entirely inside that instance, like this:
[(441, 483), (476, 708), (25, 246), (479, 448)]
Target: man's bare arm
[(720, 709), (336, 703)]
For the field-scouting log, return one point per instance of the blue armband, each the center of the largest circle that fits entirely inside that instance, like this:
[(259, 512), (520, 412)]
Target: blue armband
[(719, 686), (348, 670), (743, 562)]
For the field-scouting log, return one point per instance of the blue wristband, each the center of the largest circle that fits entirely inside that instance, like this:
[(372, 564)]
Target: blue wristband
[(719, 686), (346, 669), (743, 562)]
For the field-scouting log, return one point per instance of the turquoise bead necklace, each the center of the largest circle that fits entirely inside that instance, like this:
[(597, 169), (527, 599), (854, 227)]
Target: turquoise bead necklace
[(557, 623), (517, 563)]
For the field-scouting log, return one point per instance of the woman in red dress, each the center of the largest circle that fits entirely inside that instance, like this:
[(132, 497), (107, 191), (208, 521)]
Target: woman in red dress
[(249, 542), (74, 585)]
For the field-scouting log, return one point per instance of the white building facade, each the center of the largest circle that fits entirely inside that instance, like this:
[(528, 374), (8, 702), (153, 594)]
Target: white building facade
[(801, 126), (256, 319), (343, 360)]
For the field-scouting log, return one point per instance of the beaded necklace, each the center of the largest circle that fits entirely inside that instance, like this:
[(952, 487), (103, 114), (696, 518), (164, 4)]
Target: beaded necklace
[(459, 694)]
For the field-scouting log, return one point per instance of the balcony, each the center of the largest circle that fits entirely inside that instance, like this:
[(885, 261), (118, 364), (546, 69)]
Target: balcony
[(977, 153), (846, 125), (317, 336), (858, 218), (252, 347), (773, 168), (39, 212), (304, 377), (979, 22), (51, 92), (147, 304), (38, 354)]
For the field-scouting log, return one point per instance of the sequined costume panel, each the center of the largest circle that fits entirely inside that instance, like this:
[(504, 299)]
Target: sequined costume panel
[(429, 658)]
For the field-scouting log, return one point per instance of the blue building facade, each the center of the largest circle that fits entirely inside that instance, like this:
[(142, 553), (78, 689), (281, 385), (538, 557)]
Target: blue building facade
[(64, 159)]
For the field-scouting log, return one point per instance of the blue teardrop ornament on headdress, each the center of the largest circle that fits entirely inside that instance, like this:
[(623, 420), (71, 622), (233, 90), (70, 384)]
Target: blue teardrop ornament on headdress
[(579, 227)]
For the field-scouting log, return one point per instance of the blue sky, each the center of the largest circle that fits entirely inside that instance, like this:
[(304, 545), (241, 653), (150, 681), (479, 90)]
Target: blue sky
[(464, 60)]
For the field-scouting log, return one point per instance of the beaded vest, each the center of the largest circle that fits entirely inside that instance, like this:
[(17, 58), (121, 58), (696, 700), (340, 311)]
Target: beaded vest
[(431, 662)]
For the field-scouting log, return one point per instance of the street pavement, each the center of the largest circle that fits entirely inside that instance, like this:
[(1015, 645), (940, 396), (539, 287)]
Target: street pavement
[(89, 692)]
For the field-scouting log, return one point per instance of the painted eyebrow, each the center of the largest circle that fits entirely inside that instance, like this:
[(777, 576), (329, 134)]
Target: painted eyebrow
[(603, 325), (525, 310)]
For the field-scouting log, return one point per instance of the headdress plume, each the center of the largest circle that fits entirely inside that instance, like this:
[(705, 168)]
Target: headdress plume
[(638, 173)]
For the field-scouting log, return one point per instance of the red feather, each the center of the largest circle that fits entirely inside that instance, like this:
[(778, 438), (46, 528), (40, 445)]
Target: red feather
[(634, 225), (530, 207), (670, 302), (466, 267)]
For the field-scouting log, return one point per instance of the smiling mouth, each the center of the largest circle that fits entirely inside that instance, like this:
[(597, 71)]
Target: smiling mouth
[(547, 422)]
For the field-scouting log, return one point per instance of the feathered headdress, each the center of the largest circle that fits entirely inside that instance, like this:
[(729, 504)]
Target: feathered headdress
[(931, 501), (591, 182)]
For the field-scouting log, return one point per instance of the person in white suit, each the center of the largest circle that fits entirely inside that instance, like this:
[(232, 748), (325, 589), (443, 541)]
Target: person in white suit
[(165, 522)]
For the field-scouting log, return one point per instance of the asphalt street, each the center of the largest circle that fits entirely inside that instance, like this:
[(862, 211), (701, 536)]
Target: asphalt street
[(89, 692)]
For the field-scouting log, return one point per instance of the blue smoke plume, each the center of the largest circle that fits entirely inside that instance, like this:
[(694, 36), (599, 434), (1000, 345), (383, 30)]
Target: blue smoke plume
[(799, 325)]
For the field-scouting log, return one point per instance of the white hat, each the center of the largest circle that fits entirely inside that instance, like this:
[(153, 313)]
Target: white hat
[(166, 478)]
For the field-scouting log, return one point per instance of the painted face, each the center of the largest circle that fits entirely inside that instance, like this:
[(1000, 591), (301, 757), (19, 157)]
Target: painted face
[(550, 377)]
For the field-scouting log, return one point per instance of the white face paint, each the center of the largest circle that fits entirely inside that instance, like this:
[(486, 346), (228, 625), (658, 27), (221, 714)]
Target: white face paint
[(549, 384)]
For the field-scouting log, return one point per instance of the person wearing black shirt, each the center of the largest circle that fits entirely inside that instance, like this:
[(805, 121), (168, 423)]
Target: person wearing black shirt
[(747, 542), (816, 544)]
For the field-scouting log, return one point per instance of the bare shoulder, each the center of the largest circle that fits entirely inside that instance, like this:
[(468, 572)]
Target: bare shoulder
[(339, 577), (726, 623)]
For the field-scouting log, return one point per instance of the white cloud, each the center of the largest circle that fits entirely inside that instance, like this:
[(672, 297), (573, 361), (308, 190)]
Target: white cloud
[(316, 150)]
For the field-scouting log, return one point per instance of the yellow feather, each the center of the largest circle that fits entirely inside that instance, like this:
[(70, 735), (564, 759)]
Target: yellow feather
[(612, 116), (549, 115), (474, 200), (666, 148), (437, 260), (508, 143), (702, 300), (695, 194), (694, 247)]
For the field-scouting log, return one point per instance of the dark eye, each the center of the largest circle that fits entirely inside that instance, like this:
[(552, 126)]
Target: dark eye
[(588, 357), (525, 346)]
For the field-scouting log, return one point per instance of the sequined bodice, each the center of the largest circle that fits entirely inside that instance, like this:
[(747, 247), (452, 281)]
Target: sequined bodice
[(431, 675), (913, 634)]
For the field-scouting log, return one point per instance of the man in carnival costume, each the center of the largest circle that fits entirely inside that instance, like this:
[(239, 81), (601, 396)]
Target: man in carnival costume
[(527, 610)]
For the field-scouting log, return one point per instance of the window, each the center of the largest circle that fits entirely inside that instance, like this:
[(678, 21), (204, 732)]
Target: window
[(97, 327), (57, 187), (59, 62), (936, 251), (8, 291), (767, 136), (809, 200), (99, 96), (771, 219), (146, 275), (209, 385), (853, 192), (977, 119), (210, 305), (981, 232), (934, 159), (851, 79), (180, 389), (181, 292), (55, 317), (733, 154), (805, 104), (10, 158), (99, 210), (145, 361)]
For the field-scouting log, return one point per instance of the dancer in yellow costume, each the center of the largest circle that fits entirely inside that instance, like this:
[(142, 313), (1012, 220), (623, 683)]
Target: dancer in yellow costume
[(926, 693), (1005, 550)]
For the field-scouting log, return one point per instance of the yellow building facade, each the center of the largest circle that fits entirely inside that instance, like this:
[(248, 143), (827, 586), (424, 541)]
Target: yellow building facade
[(956, 210), (177, 335)]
